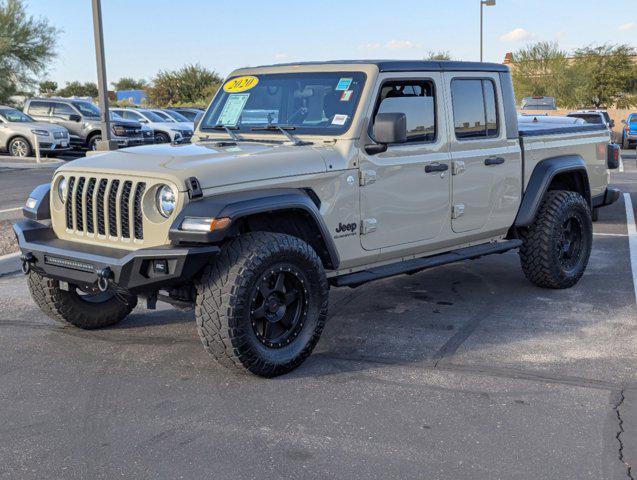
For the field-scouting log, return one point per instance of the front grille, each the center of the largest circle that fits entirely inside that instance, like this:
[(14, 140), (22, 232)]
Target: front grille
[(105, 206), (59, 135)]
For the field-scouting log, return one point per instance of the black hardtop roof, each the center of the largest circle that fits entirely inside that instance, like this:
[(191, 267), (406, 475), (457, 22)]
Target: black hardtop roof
[(411, 65)]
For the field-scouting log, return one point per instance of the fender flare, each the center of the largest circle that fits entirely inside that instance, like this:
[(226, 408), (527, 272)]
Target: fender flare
[(543, 174), (238, 205)]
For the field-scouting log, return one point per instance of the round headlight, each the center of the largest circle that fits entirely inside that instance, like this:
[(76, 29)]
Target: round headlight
[(166, 201), (62, 189)]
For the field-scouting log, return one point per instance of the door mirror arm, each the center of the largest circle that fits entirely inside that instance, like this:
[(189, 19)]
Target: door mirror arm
[(375, 148)]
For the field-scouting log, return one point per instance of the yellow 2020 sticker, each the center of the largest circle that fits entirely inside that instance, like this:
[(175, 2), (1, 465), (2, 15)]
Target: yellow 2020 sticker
[(240, 84)]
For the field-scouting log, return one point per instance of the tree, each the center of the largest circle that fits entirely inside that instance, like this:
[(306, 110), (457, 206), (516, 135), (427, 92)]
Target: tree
[(27, 45), (128, 83), (77, 89), (606, 76), (191, 84), (541, 69), (440, 55), (47, 87)]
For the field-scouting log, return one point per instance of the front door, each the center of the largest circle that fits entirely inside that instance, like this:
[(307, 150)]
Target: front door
[(61, 114), (405, 190)]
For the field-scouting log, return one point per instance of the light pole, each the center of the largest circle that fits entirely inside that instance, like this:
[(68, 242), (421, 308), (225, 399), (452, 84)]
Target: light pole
[(102, 87), (483, 3)]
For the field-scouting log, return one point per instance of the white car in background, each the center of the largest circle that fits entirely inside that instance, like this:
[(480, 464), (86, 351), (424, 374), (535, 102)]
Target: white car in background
[(147, 132), (165, 132)]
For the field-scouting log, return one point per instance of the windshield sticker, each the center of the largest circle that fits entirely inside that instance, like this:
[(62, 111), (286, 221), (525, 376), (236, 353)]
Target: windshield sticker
[(339, 119), (240, 84), (233, 108), (347, 95), (344, 84)]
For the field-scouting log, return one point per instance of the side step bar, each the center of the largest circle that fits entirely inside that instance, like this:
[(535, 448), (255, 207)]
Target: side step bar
[(417, 264)]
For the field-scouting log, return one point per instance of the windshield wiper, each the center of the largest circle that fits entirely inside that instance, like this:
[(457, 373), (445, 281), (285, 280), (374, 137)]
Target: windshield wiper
[(285, 130), (228, 129)]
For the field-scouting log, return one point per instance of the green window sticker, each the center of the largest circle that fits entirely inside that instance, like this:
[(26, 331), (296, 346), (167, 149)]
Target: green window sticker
[(233, 108)]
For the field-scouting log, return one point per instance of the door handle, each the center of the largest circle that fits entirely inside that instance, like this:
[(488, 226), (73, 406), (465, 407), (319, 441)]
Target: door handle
[(494, 161), (436, 167)]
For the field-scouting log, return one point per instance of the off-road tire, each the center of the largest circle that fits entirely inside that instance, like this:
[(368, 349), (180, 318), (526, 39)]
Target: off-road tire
[(67, 306), (223, 310), (540, 252)]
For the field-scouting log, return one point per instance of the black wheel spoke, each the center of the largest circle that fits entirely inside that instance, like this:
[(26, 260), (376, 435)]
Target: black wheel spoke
[(291, 297), (279, 286), (265, 289), (258, 313)]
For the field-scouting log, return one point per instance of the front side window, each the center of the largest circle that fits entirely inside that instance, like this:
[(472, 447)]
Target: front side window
[(164, 116), (474, 105), (130, 115), (151, 117), (87, 109), (39, 108), (414, 98), (178, 117), (315, 103), (63, 110), (14, 116)]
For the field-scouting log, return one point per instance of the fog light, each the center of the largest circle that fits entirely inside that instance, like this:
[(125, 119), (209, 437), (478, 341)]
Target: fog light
[(160, 266), (203, 224), (31, 203)]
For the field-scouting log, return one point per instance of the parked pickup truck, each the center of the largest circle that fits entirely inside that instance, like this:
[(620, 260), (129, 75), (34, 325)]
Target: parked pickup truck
[(307, 176)]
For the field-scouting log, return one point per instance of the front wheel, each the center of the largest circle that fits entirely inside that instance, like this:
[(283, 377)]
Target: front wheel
[(261, 306), (161, 137), (92, 142), (86, 308), (558, 244), (20, 147)]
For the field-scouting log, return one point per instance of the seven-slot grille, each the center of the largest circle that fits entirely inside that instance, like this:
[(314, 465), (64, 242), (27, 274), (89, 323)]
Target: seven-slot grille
[(105, 207)]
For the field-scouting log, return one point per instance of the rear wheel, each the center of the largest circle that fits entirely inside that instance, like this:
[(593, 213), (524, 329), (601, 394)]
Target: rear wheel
[(262, 305), (20, 147), (86, 308), (558, 244)]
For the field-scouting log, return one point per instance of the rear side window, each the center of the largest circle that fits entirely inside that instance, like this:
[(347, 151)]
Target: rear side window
[(414, 98), (475, 113), (39, 108)]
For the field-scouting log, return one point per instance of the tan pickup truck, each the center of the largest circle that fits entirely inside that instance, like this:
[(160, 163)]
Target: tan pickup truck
[(306, 176)]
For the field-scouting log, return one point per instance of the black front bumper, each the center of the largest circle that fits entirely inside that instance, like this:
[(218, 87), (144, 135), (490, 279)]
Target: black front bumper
[(82, 264)]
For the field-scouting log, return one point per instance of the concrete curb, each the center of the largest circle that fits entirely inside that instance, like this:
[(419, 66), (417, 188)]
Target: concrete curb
[(33, 165), (9, 263)]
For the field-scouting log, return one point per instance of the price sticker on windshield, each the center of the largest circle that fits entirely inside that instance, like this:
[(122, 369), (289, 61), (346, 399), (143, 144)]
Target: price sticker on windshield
[(240, 84)]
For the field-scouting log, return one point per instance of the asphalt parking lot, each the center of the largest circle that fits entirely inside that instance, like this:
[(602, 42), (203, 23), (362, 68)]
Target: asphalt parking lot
[(466, 371)]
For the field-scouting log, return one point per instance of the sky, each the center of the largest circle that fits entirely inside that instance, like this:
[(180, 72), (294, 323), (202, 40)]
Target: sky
[(145, 36)]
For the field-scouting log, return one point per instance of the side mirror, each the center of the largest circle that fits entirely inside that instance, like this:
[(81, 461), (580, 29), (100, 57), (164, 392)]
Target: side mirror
[(74, 117), (390, 128), (611, 124)]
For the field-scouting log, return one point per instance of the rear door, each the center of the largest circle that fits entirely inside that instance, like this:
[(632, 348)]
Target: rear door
[(486, 165), (40, 110), (405, 190)]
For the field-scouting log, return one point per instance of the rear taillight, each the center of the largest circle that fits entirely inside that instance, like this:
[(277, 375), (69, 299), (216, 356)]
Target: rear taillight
[(612, 156)]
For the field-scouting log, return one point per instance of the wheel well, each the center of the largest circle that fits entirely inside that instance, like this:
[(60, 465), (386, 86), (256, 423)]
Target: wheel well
[(296, 222), (91, 135), (574, 181), (18, 136)]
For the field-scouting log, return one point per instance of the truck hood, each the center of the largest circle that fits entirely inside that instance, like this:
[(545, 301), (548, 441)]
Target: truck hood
[(212, 165)]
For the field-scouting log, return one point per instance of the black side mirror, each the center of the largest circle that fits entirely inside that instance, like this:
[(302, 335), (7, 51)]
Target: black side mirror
[(74, 117), (389, 128)]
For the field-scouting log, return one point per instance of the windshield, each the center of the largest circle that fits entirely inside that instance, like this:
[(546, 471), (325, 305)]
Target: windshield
[(311, 103), (176, 116), (87, 109), (13, 115), (152, 117), (164, 116)]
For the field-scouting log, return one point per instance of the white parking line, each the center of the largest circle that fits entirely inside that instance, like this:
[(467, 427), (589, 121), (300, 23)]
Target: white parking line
[(632, 238), (11, 210), (621, 164), (610, 234)]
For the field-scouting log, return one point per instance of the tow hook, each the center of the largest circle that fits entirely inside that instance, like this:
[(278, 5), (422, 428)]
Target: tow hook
[(104, 277), (27, 259)]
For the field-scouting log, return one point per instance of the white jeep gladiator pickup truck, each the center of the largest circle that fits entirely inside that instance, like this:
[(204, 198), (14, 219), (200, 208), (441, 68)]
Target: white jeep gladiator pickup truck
[(306, 176)]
